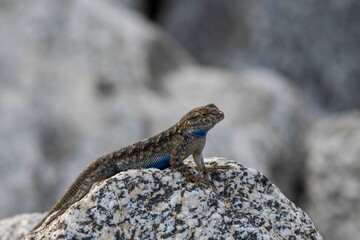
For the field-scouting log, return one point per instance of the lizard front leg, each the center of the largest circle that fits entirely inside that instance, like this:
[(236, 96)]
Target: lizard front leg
[(199, 161), (177, 158)]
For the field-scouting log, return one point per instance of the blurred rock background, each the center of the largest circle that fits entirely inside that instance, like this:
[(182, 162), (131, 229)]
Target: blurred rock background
[(81, 78)]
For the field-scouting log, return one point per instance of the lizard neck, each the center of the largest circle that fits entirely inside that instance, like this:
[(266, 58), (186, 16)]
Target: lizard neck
[(199, 133)]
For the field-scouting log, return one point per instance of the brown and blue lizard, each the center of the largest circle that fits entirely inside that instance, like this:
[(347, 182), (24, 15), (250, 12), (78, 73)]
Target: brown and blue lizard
[(167, 149)]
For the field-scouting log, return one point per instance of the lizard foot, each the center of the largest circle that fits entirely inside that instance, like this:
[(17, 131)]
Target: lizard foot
[(199, 180)]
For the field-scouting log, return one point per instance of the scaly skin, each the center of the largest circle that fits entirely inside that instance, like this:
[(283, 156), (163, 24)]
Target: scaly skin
[(169, 148)]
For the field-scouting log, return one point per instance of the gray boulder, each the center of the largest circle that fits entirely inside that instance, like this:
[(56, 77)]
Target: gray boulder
[(154, 204), (18, 226), (314, 43), (332, 177)]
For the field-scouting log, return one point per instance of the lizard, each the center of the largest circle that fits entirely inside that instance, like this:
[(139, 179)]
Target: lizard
[(166, 149)]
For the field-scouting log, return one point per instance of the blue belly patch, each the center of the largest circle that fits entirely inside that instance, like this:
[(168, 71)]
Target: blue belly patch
[(161, 163), (199, 133)]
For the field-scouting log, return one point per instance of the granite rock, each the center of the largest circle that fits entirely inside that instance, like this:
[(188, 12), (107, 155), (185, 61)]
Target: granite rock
[(332, 175), (149, 204), (18, 226)]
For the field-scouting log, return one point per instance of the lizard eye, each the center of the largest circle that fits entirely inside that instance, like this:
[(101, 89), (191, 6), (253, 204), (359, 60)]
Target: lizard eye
[(203, 114)]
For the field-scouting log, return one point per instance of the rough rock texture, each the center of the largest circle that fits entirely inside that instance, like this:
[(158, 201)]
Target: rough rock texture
[(18, 226), (314, 43), (154, 204), (82, 78), (333, 182)]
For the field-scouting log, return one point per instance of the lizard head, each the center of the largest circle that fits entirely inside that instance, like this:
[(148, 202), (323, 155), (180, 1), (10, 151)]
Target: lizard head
[(200, 120)]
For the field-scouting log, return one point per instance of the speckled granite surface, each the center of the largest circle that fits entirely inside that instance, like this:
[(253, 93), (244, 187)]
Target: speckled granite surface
[(154, 204), (17, 226)]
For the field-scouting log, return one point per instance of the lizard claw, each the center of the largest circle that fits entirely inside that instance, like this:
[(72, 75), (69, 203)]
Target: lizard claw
[(216, 169), (202, 181), (199, 181)]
